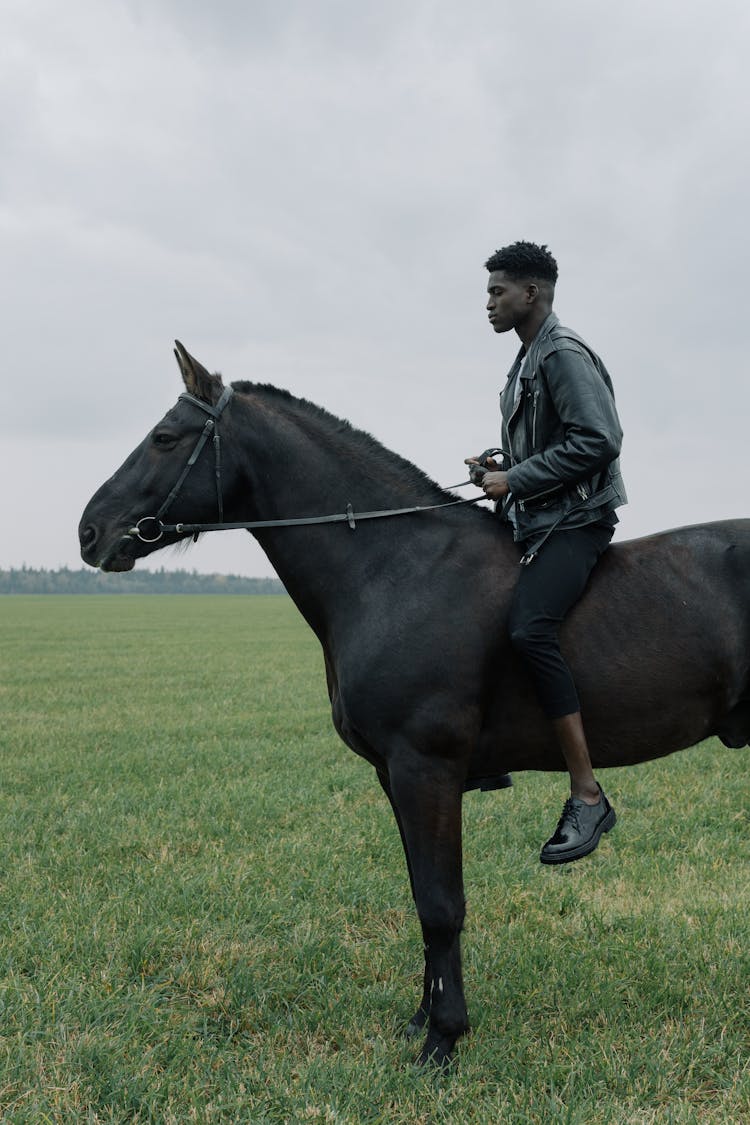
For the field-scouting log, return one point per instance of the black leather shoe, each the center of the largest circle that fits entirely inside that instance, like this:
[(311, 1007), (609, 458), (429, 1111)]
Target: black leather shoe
[(579, 830)]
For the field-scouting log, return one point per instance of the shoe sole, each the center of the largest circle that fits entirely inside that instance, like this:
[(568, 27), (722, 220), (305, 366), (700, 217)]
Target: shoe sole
[(607, 822)]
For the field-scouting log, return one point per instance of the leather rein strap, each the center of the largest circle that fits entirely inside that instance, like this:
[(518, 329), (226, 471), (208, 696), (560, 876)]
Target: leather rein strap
[(211, 429)]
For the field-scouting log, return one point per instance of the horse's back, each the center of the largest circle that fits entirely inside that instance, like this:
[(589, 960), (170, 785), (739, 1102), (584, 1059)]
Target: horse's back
[(704, 568), (703, 538), (659, 648)]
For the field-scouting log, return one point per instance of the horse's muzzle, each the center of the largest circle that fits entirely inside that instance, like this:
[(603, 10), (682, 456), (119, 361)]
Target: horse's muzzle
[(116, 557)]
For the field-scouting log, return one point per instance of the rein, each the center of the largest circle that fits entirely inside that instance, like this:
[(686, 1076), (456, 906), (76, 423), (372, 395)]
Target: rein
[(211, 430)]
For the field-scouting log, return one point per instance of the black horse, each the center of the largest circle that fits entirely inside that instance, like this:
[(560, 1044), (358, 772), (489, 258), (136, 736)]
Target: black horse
[(411, 614)]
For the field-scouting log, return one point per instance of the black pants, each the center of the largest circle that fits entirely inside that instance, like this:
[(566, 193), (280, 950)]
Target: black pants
[(547, 589)]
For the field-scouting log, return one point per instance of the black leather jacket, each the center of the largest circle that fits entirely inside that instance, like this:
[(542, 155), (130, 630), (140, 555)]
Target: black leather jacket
[(563, 435)]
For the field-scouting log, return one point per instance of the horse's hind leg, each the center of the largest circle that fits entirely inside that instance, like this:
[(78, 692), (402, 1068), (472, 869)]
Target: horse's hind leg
[(427, 796), (419, 1019)]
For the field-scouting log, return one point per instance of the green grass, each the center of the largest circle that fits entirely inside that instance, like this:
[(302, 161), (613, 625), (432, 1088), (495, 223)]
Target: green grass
[(205, 912)]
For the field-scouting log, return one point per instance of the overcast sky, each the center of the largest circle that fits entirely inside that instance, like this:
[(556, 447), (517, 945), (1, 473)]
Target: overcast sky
[(304, 192)]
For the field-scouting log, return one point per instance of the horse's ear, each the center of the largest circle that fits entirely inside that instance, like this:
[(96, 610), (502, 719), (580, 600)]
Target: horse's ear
[(197, 380)]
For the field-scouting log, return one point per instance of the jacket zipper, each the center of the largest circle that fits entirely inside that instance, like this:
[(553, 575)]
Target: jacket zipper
[(537, 495), (515, 410), (580, 489), (533, 422)]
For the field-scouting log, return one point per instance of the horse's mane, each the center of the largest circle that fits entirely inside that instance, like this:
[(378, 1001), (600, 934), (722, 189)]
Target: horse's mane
[(309, 414)]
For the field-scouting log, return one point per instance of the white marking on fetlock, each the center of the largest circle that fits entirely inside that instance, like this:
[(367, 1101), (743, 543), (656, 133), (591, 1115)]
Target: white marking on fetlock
[(440, 984)]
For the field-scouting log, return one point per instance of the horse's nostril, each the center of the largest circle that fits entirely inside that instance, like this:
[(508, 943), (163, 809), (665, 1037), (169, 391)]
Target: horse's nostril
[(88, 536)]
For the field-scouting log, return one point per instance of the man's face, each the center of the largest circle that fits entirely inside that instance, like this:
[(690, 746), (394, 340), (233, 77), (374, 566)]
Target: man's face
[(509, 302)]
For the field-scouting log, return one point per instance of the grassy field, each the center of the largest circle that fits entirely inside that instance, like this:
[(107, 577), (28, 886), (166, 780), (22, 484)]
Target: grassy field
[(205, 911)]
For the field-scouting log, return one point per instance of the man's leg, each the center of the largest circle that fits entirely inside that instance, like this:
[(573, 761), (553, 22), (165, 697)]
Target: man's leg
[(587, 814), (572, 742), (546, 591)]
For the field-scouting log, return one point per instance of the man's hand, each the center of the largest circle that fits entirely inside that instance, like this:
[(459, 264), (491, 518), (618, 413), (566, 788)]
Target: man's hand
[(494, 481), (495, 485), (478, 469), (490, 463)]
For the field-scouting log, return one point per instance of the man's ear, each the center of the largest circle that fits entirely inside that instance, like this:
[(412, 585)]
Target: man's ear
[(198, 381)]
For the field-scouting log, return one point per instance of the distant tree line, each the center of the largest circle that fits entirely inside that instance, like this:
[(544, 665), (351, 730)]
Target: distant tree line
[(84, 581)]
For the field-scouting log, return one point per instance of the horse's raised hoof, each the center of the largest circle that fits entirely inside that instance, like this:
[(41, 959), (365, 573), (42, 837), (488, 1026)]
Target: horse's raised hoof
[(438, 1052), (416, 1024), (487, 784)]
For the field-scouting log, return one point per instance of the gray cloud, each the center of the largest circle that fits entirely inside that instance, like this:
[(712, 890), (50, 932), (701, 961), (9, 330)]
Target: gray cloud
[(305, 193)]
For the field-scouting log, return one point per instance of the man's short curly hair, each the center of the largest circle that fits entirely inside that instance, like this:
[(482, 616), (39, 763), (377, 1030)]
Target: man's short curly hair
[(523, 260)]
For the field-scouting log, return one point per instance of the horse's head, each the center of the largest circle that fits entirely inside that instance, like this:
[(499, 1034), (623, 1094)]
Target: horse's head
[(176, 467)]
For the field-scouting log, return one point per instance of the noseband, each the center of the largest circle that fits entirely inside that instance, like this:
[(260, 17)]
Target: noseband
[(210, 429)]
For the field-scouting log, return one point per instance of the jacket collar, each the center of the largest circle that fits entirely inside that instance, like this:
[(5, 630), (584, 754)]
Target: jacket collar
[(549, 322)]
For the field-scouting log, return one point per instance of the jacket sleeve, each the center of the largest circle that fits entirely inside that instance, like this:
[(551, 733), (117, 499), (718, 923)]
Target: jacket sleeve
[(592, 434)]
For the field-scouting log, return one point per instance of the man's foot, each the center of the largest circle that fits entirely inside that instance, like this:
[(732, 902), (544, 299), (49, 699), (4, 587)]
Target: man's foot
[(579, 830)]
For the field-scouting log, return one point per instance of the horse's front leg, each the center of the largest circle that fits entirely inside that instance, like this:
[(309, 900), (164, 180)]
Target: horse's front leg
[(419, 1019), (427, 796)]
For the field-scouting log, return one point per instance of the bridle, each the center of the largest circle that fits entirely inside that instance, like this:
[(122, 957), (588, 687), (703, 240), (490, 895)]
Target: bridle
[(211, 429)]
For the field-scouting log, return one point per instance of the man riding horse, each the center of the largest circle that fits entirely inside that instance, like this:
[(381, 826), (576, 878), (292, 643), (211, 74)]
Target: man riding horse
[(396, 629), (558, 484)]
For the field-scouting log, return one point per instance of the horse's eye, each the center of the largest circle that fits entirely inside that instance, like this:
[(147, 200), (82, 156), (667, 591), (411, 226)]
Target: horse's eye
[(164, 439)]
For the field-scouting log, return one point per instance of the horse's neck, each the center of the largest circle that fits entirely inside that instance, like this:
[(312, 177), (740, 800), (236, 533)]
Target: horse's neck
[(299, 465)]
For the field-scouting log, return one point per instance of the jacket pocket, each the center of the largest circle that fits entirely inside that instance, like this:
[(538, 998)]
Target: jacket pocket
[(541, 500)]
